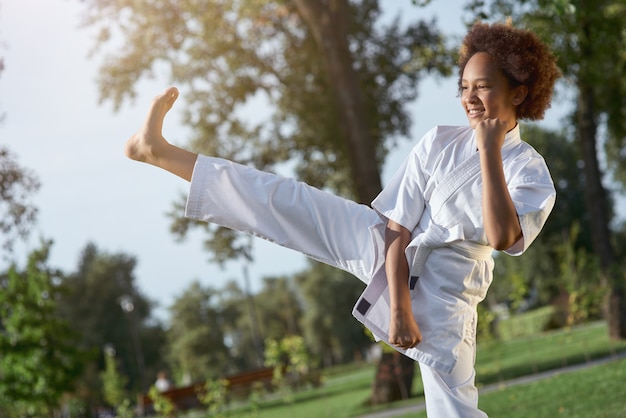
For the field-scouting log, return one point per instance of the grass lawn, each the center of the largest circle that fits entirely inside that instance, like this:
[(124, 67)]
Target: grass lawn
[(341, 396), (597, 392), (580, 394), (502, 360)]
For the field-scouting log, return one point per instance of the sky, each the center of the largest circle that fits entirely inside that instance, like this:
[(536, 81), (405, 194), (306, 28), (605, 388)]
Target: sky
[(56, 127)]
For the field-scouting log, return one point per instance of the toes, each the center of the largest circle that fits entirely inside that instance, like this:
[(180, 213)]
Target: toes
[(171, 94)]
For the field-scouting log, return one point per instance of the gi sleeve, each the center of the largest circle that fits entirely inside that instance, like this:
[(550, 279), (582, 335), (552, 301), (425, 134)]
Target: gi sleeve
[(402, 199), (533, 195)]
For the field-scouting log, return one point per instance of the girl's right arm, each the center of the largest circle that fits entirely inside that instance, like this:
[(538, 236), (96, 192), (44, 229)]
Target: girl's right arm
[(403, 330)]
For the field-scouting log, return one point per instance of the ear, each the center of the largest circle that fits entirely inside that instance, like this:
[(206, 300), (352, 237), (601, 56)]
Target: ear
[(519, 94)]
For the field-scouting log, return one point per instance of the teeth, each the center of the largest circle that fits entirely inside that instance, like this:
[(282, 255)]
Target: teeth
[(475, 111)]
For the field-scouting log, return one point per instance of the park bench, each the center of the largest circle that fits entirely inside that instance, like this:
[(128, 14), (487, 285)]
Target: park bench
[(184, 398)]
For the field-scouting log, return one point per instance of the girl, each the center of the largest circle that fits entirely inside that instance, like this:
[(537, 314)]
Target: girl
[(425, 246)]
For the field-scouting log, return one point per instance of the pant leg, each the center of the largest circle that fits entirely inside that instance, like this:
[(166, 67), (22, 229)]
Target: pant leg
[(292, 214), (453, 395)]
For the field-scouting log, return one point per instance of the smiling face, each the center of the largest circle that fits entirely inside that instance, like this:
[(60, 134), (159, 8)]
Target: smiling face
[(486, 92)]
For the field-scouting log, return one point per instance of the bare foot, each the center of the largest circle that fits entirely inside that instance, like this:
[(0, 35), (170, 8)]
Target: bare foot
[(148, 143)]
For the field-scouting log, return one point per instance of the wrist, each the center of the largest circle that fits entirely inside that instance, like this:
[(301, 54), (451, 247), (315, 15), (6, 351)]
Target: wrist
[(401, 307), (490, 151)]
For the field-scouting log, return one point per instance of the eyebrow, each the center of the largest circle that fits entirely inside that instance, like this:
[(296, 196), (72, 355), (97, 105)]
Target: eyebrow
[(483, 79)]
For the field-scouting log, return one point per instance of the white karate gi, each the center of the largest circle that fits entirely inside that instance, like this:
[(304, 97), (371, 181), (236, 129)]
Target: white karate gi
[(458, 267)]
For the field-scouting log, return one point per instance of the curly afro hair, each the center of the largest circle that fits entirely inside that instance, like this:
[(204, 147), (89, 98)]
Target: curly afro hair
[(523, 58)]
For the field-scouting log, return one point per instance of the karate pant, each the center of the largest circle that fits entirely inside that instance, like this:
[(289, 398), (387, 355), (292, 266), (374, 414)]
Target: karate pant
[(453, 395), (327, 228)]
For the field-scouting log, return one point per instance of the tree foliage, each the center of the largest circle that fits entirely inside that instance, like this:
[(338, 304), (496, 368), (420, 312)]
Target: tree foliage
[(331, 81), (39, 360), (227, 53), (331, 333), (563, 158), (242, 327), (279, 308), (580, 278), (93, 305), (535, 277), (214, 332), (259, 85), (587, 37), (17, 185), (113, 382), (292, 364), (196, 345)]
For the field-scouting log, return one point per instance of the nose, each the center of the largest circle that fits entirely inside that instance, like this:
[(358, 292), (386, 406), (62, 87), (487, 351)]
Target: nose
[(470, 95)]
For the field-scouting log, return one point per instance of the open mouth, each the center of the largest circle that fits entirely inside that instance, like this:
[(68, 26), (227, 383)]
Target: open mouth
[(475, 112)]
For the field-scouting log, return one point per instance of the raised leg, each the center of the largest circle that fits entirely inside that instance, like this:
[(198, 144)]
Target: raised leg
[(292, 214), (282, 210)]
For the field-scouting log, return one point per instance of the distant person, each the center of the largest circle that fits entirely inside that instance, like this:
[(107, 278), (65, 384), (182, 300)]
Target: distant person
[(425, 247), (163, 383)]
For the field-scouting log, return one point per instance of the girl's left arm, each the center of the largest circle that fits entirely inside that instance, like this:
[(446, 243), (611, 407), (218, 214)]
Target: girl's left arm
[(502, 225)]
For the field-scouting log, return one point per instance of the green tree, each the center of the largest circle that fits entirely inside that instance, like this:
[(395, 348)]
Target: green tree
[(329, 330), (291, 362), (163, 405), (104, 306), (587, 37), (278, 308), (537, 271), (242, 327), (560, 150), (334, 81), (196, 346), (114, 384), (215, 397), (583, 291), (17, 213), (39, 359), (17, 185), (275, 312)]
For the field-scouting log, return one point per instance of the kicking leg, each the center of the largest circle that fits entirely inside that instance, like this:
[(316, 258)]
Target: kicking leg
[(149, 146), (292, 214)]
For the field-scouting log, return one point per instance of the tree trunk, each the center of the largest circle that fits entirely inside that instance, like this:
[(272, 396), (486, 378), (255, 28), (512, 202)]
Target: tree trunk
[(596, 195), (597, 205), (616, 306), (394, 378), (329, 23)]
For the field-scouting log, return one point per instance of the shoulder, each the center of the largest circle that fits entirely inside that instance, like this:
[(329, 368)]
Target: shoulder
[(441, 136), (524, 164), (448, 132), (522, 150)]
